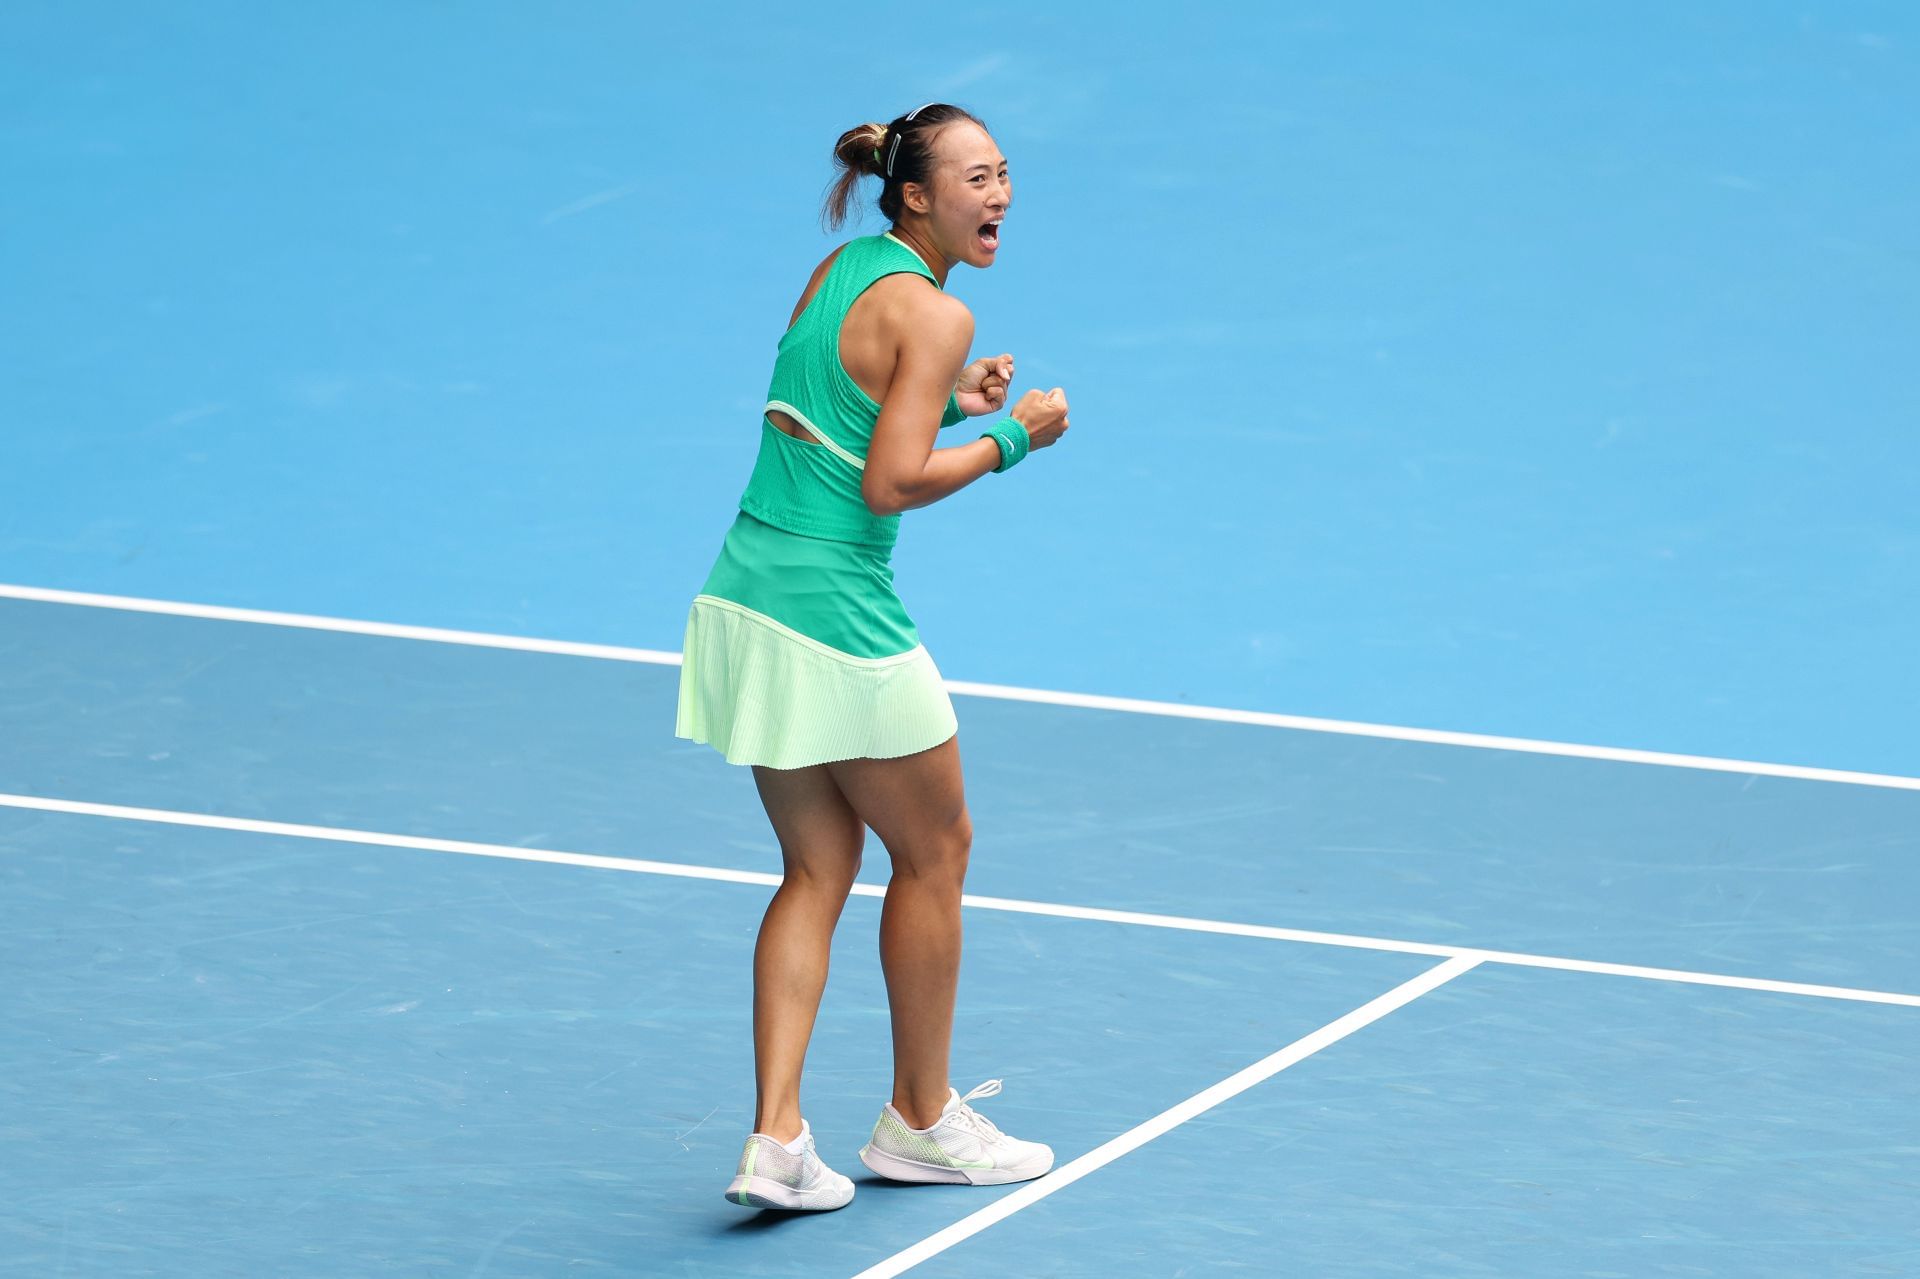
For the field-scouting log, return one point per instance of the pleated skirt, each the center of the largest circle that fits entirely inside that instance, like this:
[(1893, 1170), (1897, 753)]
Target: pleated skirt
[(799, 652)]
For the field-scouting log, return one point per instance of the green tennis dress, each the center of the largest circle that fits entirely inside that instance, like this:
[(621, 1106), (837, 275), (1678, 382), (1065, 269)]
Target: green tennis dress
[(797, 650)]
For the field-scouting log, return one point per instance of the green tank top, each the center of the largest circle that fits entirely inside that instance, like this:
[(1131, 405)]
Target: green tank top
[(814, 489)]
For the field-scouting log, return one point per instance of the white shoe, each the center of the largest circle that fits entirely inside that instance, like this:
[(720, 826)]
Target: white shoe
[(773, 1175), (963, 1146)]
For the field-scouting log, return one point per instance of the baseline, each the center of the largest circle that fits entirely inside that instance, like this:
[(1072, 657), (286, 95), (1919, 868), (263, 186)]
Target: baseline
[(682, 870), (1003, 692)]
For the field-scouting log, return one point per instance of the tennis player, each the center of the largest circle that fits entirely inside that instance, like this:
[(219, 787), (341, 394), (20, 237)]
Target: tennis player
[(801, 660)]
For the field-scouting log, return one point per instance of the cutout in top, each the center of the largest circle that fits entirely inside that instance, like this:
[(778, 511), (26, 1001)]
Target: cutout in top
[(787, 426)]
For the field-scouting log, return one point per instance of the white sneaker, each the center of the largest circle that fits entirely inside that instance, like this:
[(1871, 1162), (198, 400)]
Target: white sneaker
[(791, 1176), (962, 1146)]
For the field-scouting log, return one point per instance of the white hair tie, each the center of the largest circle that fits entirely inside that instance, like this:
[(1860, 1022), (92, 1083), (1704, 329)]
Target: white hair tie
[(893, 147)]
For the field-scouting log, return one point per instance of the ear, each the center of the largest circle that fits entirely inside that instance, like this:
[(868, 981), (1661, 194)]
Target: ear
[(916, 197)]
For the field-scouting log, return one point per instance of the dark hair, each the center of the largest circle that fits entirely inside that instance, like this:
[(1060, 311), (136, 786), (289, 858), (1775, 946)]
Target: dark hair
[(866, 149)]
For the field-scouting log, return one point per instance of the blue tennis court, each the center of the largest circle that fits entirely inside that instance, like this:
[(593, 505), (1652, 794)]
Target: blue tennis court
[(1439, 735)]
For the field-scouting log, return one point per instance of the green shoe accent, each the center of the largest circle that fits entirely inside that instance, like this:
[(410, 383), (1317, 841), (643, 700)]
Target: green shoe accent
[(746, 1169)]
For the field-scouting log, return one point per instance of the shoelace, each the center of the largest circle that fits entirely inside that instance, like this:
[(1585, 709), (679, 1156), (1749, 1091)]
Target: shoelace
[(979, 1122), (811, 1167)]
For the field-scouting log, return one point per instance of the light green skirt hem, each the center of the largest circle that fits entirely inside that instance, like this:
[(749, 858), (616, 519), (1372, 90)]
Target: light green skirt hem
[(763, 693)]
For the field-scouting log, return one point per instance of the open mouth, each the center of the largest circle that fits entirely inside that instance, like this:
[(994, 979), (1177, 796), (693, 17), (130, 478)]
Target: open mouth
[(990, 235)]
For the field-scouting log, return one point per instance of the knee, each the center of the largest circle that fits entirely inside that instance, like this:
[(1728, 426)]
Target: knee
[(829, 874), (943, 857), (828, 887), (956, 845)]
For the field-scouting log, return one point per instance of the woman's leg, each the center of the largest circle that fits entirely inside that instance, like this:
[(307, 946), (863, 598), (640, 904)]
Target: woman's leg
[(820, 840), (917, 805)]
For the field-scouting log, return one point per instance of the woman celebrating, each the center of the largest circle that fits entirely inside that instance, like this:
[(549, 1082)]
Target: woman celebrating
[(802, 662)]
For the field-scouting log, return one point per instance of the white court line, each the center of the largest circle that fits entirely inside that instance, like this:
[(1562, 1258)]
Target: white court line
[(1003, 692), (344, 625), (1011, 905), (1167, 1120)]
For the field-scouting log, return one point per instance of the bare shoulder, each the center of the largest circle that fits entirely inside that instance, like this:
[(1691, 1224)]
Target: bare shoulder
[(813, 284), (917, 305), (826, 265)]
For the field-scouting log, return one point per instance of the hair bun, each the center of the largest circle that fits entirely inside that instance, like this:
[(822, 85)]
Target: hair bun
[(860, 149)]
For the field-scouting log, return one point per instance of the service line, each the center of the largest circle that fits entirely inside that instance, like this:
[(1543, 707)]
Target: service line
[(1012, 905), (967, 688)]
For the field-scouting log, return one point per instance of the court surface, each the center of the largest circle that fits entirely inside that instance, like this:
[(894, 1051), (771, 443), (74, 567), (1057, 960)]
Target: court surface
[(1439, 734)]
